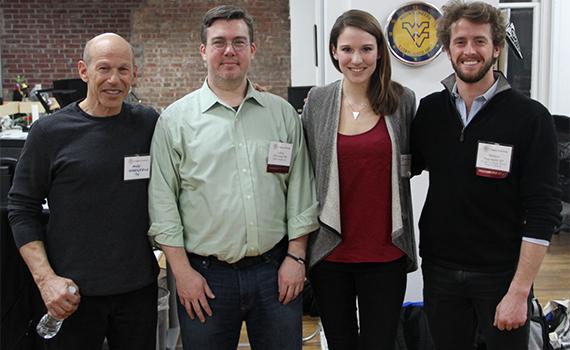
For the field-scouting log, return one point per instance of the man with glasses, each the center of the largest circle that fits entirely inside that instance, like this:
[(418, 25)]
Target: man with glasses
[(232, 199)]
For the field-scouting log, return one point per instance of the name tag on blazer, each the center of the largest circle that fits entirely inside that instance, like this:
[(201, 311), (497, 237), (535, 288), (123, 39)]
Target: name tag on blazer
[(405, 165)]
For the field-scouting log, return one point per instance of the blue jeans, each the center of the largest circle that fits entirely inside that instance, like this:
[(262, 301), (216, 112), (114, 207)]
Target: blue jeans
[(458, 302), (247, 294)]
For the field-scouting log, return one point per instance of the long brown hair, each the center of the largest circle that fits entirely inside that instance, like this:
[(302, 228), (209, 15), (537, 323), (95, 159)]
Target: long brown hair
[(383, 93)]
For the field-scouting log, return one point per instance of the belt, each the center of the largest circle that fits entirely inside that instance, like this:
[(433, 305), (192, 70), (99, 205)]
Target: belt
[(277, 252)]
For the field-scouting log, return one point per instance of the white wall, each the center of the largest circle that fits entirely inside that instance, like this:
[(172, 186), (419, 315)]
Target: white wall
[(559, 103), (303, 68), (554, 47)]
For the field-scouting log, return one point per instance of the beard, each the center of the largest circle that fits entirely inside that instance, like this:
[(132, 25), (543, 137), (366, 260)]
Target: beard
[(475, 77)]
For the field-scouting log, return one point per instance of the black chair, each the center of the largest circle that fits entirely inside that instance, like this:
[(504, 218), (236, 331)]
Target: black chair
[(296, 96), (21, 305), (7, 168), (65, 91)]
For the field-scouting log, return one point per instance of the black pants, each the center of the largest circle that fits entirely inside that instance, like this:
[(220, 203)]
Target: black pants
[(128, 321), (380, 289), (457, 303)]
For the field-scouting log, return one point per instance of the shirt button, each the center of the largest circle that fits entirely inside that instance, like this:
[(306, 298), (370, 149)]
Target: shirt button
[(248, 196), (240, 144), (251, 223), (244, 170)]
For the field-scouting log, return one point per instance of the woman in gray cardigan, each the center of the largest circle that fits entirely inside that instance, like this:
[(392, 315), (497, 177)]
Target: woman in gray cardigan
[(357, 133)]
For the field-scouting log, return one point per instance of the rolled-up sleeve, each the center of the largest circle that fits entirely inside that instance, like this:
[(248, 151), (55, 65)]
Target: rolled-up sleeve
[(301, 193), (164, 187)]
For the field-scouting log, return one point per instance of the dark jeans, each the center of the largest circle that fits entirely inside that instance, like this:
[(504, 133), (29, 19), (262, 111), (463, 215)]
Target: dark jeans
[(458, 302), (380, 289), (127, 320), (247, 294)]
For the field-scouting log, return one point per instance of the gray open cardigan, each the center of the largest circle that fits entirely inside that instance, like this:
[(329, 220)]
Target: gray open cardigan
[(320, 121)]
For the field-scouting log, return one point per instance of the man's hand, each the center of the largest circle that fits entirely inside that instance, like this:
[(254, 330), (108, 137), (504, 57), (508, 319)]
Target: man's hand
[(59, 301), (291, 279), (193, 291), (511, 313)]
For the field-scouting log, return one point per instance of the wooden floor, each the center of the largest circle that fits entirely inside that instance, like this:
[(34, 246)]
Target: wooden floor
[(552, 282)]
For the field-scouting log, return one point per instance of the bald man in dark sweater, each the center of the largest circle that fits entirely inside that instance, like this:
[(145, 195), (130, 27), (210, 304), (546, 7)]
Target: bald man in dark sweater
[(90, 160)]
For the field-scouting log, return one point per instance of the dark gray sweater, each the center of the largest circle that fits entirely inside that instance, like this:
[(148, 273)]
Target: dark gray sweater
[(98, 222)]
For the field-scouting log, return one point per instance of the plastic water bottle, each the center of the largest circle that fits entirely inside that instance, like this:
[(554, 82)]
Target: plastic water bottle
[(49, 326)]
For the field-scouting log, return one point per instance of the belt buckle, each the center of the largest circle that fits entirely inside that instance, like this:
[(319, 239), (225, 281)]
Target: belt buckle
[(248, 261)]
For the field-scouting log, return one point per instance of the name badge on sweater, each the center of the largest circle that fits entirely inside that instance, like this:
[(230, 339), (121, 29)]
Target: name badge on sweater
[(493, 160), (279, 157), (136, 168)]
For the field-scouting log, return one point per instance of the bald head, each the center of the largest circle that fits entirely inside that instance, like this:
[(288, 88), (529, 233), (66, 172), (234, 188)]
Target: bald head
[(109, 70), (106, 40)]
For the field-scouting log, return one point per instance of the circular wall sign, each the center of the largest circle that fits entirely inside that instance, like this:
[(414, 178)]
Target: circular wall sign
[(411, 33)]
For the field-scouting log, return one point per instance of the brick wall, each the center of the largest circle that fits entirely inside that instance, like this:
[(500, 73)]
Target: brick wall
[(43, 39)]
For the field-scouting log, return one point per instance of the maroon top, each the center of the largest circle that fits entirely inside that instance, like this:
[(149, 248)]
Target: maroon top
[(364, 168)]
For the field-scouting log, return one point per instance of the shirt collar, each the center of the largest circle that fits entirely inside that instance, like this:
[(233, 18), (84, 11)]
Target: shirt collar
[(208, 98), (500, 80), (486, 96)]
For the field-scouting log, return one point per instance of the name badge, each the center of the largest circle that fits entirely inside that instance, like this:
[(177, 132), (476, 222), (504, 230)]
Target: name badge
[(136, 168), (279, 157), (493, 160), (405, 165)]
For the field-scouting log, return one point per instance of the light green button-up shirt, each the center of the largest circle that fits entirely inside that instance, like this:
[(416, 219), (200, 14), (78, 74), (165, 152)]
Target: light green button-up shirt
[(210, 191)]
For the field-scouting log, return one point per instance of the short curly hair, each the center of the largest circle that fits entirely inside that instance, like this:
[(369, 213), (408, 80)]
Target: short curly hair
[(476, 12)]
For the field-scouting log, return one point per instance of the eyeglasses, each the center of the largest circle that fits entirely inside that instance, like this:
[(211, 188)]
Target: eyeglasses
[(237, 44)]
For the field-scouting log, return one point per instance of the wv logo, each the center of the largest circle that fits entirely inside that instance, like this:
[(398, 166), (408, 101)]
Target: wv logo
[(418, 32)]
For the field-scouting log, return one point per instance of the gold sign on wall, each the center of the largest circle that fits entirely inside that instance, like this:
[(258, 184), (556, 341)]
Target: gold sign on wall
[(411, 33)]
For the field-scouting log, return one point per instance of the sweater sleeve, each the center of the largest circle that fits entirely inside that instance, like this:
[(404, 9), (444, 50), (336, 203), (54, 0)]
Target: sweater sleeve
[(29, 189), (410, 111), (540, 192), (418, 161)]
